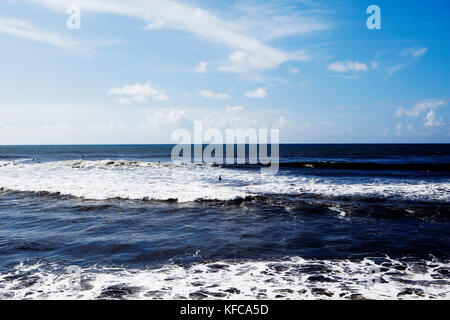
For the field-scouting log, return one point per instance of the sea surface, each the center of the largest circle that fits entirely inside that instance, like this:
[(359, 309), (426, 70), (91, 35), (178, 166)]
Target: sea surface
[(125, 222)]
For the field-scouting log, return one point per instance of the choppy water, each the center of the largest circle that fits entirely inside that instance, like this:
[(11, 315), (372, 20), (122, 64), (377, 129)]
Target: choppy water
[(336, 222)]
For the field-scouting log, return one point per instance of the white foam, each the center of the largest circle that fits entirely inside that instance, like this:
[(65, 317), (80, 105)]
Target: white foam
[(106, 179), (339, 210), (295, 278)]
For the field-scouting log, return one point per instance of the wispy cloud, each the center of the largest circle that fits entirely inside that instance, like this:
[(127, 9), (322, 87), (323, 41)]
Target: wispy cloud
[(293, 70), (213, 95), (250, 52), (271, 20), (349, 66), (414, 53), (137, 93), (408, 56), (234, 109), (403, 128), (25, 29)]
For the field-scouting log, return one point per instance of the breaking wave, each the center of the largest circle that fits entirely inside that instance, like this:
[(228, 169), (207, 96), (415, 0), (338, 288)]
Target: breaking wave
[(294, 278), (138, 180), (427, 167)]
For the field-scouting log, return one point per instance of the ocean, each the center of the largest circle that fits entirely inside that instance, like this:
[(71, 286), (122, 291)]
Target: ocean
[(125, 222)]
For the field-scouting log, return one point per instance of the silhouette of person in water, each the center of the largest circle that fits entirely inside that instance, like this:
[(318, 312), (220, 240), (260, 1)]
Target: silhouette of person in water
[(220, 178)]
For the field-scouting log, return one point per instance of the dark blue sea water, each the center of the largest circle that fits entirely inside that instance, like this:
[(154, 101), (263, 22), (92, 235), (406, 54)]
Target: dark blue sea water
[(336, 221)]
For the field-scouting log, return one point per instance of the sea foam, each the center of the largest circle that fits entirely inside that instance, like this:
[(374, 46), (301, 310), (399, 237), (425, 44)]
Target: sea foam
[(293, 278), (107, 179)]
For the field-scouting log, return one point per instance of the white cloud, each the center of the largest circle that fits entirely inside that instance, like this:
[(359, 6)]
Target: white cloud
[(137, 93), (395, 69), (213, 95), (271, 20), (411, 55), (234, 109), (172, 117), (349, 66), (420, 107), (414, 53), (156, 24), (234, 117), (241, 61), (403, 128), (250, 53), (432, 121), (201, 68), (293, 70), (25, 29), (257, 93)]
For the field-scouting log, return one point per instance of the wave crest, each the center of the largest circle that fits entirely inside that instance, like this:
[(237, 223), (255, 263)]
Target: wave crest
[(137, 180)]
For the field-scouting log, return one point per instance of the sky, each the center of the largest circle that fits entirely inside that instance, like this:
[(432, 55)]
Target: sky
[(136, 70)]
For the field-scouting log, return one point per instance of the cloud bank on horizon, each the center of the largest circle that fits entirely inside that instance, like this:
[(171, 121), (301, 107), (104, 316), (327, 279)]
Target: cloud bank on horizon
[(137, 70)]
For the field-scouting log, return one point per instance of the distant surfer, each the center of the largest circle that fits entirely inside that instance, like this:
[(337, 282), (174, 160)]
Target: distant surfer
[(220, 178)]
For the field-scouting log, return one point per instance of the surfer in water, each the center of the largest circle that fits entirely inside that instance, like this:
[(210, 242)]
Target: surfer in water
[(220, 178)]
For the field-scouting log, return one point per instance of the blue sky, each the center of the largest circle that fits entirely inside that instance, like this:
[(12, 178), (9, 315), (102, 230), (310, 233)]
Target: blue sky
[(136, 70)]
